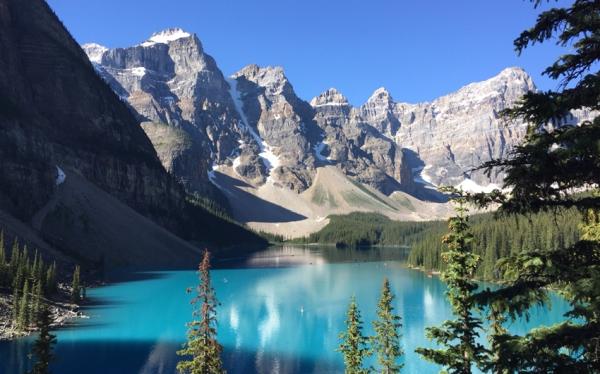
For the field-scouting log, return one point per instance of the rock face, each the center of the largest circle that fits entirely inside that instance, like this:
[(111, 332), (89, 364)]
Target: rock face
[(69, 148), (440, 142), (253, 122), (55, 111), (460, 131), (281, 122), (179, 96)]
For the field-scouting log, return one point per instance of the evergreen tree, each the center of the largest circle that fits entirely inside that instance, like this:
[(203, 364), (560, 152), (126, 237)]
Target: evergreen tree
[(23, 313), (76, 286), (50, 280), (36, 302), (354, 344), (43, 346), (458, 337), (557, 161), (202, 350), (386, 342), (15, 307), (14, 256)]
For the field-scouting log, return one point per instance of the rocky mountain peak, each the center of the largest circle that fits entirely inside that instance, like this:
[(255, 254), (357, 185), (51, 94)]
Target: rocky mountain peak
[(381, 95), (272, 78), (506, 87), (94, 51), (331, 97)]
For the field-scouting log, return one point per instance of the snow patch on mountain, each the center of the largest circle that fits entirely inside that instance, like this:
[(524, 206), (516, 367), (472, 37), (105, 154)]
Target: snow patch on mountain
[(468, 185), (421, 177), (270, 159), (166, 36), (94, 51), (139, 71), (319, 148), (60, 176)]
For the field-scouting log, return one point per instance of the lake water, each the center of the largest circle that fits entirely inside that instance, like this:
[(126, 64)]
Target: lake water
[(281, 312)]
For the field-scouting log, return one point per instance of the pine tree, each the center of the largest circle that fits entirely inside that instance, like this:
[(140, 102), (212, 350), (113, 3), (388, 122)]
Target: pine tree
[(23, 313), (76, 286), (24, 262), (43, 346), (14, 256), (458, 337), (17, 271), (15, 307), (386, 342), (557, 161), (36, 302), (354, 344), (202, 350), (50, 281)]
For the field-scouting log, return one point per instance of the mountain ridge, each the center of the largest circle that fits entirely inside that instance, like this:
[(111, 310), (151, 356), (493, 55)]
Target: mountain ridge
[(261, 133)]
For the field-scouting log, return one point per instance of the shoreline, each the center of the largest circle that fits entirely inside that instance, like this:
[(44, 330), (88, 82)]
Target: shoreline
[(63, 312)]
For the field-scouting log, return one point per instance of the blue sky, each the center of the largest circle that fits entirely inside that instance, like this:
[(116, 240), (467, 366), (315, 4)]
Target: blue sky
[(418, 50)]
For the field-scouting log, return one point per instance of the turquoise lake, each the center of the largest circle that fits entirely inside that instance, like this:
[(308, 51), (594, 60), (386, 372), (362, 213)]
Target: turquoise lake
[(281, 312)]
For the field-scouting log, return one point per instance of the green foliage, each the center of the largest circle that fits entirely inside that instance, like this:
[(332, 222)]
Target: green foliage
[(207, 221), (76, 285), (272, 238), (547, 171), (364, 229), (202, 350), (43, 346), (458, 337), (498, 236), (29, 281), (50, 279), (23, 316), (354, 343), (386, 342), (218, 208)]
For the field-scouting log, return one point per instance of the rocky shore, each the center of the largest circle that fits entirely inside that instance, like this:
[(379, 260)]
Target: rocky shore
[(62, 311)]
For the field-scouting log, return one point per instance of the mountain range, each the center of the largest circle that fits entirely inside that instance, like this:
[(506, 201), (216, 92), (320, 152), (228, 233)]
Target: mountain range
[(284, 163), (140, 155)]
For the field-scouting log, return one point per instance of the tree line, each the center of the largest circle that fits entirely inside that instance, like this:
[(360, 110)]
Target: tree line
[(32, 283), (368, 229), (497, 236), (28, 279)]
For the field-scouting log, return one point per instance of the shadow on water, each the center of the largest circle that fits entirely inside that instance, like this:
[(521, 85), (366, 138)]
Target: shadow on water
[(127, 275), (129, 357)]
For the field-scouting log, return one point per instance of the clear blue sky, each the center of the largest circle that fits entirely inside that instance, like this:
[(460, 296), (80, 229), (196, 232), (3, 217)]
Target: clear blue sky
[(417, 49)]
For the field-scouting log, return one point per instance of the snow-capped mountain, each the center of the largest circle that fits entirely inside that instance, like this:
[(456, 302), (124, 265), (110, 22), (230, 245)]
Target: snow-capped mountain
[(254, 128)]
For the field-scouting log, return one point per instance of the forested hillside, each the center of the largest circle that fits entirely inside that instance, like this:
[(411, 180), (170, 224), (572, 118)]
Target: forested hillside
[(366, 229), (495, 236), (501, 236)]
